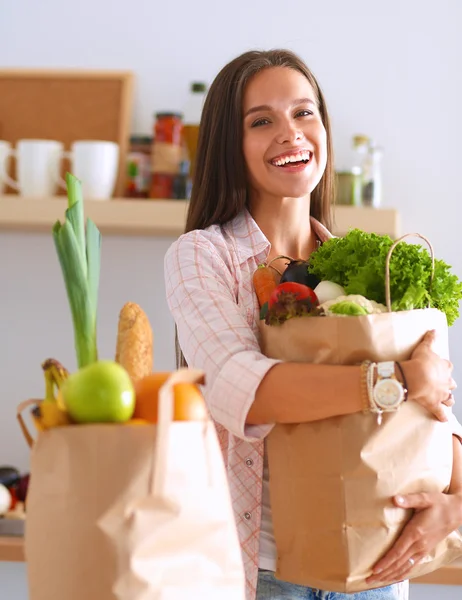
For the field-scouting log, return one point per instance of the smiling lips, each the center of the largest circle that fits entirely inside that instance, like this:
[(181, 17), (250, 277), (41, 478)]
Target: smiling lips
[(299, 158)]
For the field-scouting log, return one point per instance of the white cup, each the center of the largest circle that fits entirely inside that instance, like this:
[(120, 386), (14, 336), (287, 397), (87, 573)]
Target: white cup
[(96, 164), (37, 167), (5, 148)]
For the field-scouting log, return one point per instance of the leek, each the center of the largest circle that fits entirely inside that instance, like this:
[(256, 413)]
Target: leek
[(79, 253)]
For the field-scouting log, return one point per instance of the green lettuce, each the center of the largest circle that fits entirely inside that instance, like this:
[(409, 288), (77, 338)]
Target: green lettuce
[(357, 262)]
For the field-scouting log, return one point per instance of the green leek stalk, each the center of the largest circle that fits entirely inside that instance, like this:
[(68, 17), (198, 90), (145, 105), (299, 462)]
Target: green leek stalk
[(79, 252)]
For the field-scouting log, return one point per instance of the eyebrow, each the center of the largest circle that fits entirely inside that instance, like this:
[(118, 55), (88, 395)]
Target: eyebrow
[(266, 107)]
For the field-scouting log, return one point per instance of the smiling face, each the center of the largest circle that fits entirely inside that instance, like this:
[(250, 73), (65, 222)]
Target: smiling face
[(284, 139)]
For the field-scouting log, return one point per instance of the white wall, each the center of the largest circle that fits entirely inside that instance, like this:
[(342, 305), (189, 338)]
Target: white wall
[(389, 69)]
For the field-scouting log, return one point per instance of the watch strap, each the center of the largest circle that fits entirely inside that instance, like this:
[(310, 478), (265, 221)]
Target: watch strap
[(386, 369)]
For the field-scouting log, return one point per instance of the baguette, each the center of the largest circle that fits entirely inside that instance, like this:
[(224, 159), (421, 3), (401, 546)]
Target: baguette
[(134, 349)]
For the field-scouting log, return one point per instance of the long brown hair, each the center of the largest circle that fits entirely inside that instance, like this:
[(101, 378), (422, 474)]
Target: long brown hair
[(219, 192)]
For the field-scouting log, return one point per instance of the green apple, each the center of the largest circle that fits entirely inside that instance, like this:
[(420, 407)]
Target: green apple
[(99, 393)]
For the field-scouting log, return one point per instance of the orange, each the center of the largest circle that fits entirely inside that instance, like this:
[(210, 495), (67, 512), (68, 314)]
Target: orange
[(146, 395), (189, 403)]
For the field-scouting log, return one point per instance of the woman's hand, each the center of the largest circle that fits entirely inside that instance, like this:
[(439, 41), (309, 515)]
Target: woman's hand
[(429, 378), (436, 516)]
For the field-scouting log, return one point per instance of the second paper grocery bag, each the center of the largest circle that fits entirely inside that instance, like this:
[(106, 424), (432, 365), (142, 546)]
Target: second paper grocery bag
[(132, 512)]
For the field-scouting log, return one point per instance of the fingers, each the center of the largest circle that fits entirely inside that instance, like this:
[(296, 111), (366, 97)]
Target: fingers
[(439, 413), (425, 343), (400, 570), (429, 337), (396, 564), (416, 501), (449, 401), (437, 381), (395, 558)]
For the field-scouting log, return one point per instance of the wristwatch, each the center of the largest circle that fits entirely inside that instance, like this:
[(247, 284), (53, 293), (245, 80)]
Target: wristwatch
[(388, 392)]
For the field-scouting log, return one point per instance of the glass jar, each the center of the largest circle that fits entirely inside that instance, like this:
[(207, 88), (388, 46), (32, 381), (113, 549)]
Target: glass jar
[(192, 118), (348, 187), (167, 153), (139, 167)]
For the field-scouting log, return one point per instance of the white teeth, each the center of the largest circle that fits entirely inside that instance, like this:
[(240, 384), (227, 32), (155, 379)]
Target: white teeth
[(292, 158)]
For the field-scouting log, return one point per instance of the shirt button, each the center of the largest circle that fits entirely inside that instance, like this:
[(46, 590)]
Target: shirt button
[(247, 516), (249, 462)]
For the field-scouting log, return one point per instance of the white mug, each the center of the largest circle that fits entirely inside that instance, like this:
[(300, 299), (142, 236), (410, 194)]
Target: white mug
[(96, 164), (5, 149), (37, 167)]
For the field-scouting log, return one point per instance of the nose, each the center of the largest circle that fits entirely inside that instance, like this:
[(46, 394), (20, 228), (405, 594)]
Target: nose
[(288, 132)]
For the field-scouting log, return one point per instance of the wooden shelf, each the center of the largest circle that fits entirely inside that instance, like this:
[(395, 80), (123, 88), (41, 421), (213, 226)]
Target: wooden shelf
[(12, 549), (449, 575), (123, 216), (373, 220), (118, 216)]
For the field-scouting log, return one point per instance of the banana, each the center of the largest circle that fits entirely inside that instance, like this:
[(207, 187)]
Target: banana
[(58, 375), (51, 412), (50, 415), (37, 418), (58, 372)]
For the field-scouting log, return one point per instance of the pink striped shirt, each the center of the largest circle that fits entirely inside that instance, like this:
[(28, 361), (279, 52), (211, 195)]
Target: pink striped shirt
[(208, 276)]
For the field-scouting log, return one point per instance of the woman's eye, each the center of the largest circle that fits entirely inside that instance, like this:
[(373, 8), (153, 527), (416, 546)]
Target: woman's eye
[(304, 113), (259, 122)]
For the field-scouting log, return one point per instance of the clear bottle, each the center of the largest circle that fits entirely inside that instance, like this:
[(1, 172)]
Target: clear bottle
[(192, 116), (368, 159), (372, 177), (361, 149)]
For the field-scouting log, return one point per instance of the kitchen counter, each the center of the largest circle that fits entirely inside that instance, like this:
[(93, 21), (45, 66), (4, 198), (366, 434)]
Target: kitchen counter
[(12, 549), (123, 216)]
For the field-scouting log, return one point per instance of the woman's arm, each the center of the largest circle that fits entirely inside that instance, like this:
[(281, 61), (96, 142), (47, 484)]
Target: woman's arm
[(298, 392)]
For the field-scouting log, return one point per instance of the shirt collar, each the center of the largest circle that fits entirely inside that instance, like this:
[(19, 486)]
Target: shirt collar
[(251, 242)]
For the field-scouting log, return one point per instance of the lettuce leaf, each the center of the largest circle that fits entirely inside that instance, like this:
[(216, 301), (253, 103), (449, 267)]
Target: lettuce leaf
[(357, 262)]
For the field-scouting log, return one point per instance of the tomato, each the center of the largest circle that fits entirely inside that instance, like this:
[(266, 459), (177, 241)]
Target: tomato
[(294, 291)]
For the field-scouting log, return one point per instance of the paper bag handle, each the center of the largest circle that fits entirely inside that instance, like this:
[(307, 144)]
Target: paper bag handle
[(164, 420), (25, 431), (387, 264)]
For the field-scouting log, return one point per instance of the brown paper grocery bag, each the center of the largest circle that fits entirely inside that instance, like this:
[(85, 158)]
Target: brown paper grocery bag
[(331, 481), (132, 512)]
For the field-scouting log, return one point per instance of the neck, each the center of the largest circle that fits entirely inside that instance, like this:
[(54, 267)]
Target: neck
[(287, 226)]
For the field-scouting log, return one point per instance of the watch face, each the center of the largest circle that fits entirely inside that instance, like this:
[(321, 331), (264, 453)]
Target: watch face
[(388, 393)]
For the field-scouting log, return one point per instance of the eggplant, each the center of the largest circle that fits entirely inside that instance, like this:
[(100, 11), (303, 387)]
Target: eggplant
[(9, 476), (297, 272), (23, 487)]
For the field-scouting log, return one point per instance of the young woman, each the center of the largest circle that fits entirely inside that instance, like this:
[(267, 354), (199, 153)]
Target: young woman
[(263, 188)]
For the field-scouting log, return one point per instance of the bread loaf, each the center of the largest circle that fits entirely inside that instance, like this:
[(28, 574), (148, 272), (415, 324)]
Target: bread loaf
[(134, 350)]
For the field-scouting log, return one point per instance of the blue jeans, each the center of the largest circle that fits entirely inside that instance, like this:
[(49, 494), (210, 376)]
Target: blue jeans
[(270, 588)]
